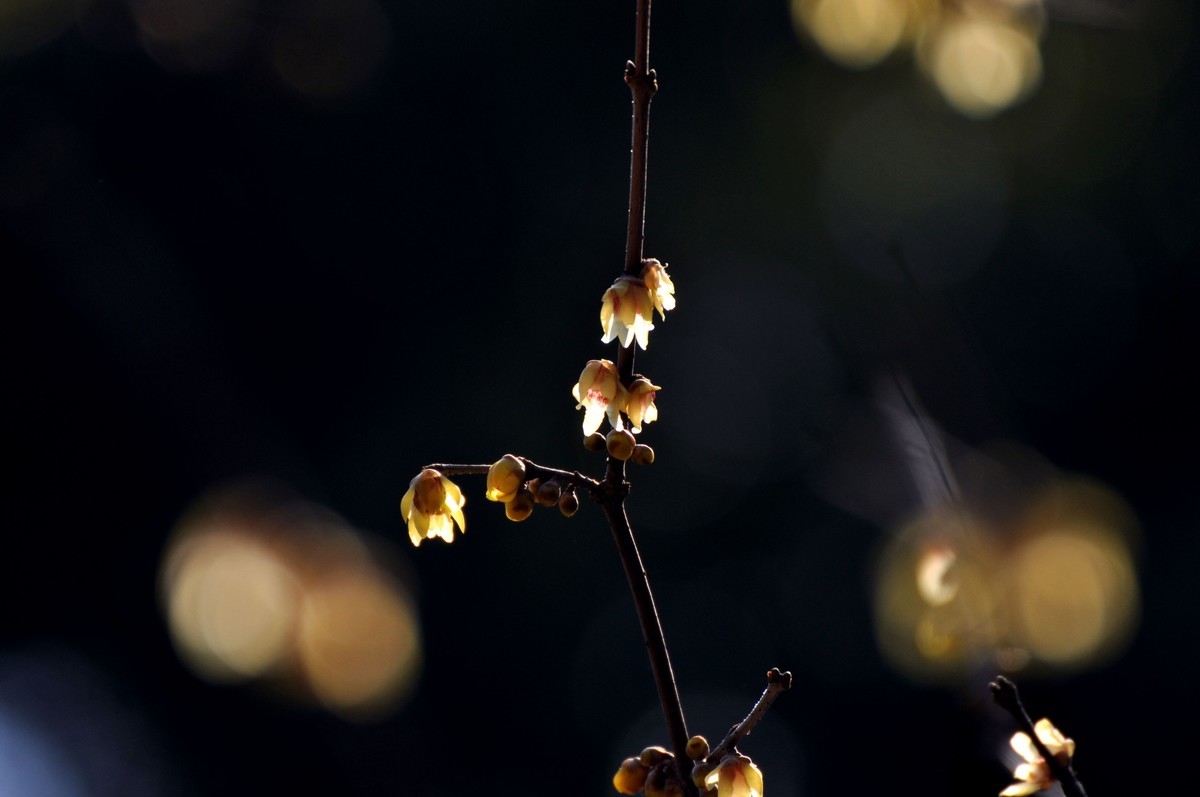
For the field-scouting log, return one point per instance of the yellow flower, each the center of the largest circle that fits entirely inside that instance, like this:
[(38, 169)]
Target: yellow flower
[(1035, 775), (736, 776), (505, 478), (640, 407), (599, 392), (662, 290), (626, 312), (431, 507)]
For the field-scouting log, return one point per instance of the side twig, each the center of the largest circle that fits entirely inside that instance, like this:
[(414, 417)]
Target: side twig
[(1004, 692), (777, 683)]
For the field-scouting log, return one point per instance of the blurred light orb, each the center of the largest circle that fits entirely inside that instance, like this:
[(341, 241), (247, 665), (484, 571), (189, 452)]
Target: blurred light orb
[(231, 605), (193, 36), (357, 641), (258, 586), (858, 33), (982, 65), (937, 578)]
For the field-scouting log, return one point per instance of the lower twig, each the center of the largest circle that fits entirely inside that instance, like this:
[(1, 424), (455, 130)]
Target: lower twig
[(777, 683), (1004, 692)]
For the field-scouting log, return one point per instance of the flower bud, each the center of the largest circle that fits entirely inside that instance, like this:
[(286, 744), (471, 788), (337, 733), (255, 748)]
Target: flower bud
[(594, 442), (569, 503), (620, 444), (631, 777), (505, 478), (520, 507), (642, 454), (548, 493), (700, 772), (697, 747), (653, 755)]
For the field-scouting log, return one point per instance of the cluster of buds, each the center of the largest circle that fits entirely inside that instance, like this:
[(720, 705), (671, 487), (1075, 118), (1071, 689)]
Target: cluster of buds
[(1034, 774), (654, 773), (599, 393), (507, 483)]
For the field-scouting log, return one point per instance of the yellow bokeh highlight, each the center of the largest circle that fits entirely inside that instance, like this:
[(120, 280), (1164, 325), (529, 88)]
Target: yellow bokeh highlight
[(860, 33), (230, 605), (1056, 588), (982, 65), (258, 588), (28, 24), (357, 643)]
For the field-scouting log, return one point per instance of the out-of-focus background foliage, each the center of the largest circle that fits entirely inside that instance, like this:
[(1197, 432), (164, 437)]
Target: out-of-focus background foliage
[(263, 259)]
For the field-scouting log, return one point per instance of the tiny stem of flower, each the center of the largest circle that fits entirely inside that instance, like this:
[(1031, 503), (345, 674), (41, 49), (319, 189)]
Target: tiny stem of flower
[(777, 683), (1004, 692)]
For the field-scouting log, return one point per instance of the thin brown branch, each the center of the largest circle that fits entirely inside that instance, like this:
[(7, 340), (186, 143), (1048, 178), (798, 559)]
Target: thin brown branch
[(652, 633), (532, 470), (777, 683), (1004, 692)]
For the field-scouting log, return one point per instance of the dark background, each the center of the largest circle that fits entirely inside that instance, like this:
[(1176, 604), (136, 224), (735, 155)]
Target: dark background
[(225, 260)]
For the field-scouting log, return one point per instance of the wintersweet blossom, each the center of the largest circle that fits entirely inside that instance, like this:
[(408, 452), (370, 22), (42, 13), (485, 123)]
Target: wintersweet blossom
[(627, 312), (662, 290), (431, 507), (1035, 775), (599, 392), (505, 478), (640, 407), (735, 776)]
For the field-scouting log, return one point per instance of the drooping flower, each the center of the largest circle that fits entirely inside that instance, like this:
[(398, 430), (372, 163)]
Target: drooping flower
[(662, 290), (599, 392), (431, 507), (627, 312), (1034, 774), (640, 407), (735, 776), (505, 478)]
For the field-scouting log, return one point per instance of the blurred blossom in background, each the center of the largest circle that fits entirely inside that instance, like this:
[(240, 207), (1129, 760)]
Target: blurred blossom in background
[(286, 594)]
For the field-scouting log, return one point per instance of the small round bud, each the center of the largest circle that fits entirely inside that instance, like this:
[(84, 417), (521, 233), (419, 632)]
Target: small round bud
[(569, 503), (594, 442), (520, 507), (548, 493), (697, 748), (620, 444), (653, 755), (642, 454), (700, 772), (631, 777)]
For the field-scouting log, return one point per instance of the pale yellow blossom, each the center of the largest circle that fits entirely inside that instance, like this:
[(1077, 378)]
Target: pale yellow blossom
[(640, 408), (1034, 774), (626, 312), (662, 290), (735, 776), (599, 392), (432, 506)]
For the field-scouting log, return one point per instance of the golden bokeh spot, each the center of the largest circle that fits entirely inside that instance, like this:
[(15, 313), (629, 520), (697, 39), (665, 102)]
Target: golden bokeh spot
[(230, 605), (259, 586), (1075, 594), (982, 65), (357, 642), (937, 578), (860, 33)]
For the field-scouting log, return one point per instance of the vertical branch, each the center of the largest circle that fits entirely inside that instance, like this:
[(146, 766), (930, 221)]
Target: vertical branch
[(656, 645), (642, 85)]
